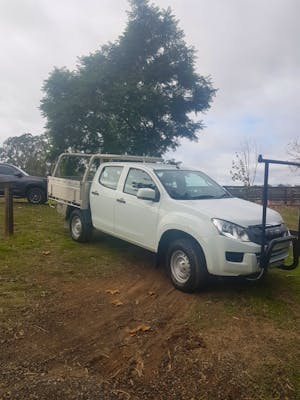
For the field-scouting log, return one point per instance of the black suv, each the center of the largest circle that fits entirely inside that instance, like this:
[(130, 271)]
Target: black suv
[(24, 185)]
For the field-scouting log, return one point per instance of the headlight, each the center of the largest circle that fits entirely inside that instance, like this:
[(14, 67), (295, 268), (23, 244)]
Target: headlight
[(231, 230)]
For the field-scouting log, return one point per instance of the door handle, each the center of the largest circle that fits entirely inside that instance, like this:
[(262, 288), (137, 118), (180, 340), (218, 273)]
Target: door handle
[(121, 201), (95, 193)]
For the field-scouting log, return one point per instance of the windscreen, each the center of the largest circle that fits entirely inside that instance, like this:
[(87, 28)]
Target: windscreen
[(190, 185)]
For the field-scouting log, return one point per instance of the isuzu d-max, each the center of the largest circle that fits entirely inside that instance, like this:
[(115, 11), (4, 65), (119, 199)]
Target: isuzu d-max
[(183, 215)]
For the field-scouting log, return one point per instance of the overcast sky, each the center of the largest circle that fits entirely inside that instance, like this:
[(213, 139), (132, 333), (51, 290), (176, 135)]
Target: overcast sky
[(250, 48)]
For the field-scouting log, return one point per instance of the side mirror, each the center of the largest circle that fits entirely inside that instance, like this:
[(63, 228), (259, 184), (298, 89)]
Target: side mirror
[(146, 194), (18, 174)]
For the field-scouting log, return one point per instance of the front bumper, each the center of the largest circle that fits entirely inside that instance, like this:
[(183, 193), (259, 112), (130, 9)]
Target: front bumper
[(249, 263)]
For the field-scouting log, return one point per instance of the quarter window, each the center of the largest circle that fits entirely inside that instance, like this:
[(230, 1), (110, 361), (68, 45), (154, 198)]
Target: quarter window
[(110, 176), (137, 179)]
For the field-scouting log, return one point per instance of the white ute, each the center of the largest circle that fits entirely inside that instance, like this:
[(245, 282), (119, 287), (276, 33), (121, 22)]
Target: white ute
[(190, 221)]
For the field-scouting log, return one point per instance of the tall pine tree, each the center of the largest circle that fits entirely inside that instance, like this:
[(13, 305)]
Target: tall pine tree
[(138, 95)]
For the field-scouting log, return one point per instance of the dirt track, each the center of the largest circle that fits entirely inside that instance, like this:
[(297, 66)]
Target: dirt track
[(129, 337)]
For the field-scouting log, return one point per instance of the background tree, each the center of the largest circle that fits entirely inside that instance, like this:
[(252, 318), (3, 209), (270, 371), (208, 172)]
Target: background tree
[(244, 166), (28, 152), (293, 150), (139, 95)]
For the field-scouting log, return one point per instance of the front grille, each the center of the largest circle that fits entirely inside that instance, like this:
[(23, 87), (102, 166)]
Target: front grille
[(272, 232), (281, 250)]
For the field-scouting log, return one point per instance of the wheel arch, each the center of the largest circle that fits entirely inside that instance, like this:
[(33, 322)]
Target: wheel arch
[(86, 213), (173, 234), (69, 211)]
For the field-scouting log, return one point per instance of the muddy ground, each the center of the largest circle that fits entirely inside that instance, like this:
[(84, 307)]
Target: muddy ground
[(133, 336)]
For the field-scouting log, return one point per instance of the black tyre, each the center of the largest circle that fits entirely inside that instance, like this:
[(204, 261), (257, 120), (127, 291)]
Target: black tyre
[(80, 229), (186, 265), (36, 195)]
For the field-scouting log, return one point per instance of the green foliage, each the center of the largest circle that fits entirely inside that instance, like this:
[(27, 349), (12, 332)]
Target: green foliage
[(245, 164), (138, 95), (28, 152)]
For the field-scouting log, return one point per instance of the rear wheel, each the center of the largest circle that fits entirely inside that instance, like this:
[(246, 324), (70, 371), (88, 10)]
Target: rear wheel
[(80, 229), (186, 265), (36, 195)]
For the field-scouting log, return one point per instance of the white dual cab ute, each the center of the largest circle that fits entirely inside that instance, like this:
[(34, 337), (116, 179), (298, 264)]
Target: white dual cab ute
[(193, 224)]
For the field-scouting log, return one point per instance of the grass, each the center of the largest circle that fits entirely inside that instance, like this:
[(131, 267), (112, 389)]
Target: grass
[(39, 234), (41, 250)]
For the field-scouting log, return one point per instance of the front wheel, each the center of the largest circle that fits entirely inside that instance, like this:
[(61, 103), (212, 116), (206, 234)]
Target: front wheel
[(36, 195), (186, 265), (80, 229)]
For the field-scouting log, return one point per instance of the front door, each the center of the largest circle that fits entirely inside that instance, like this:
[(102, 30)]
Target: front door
[(136, 219)]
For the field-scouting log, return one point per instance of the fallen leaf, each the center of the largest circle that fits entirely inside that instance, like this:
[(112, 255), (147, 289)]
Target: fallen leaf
[(117, 303), (140, 328), (112, 291), (144, 328), (46, 253)]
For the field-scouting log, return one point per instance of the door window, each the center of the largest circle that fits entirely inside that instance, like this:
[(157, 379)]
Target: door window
[(110, 176), (137, 179)]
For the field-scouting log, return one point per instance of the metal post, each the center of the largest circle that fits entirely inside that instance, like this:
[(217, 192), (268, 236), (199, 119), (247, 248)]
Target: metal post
[(266, 251), (265, 205)]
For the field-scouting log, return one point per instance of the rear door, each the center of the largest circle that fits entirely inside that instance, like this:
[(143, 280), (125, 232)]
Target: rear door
[(136, 219), (103, 197)]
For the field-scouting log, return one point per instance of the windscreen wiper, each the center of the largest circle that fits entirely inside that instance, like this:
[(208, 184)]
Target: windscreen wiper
[(204, 196)]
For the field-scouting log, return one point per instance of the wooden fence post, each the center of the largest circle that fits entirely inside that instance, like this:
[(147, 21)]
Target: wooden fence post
[(9, 211), (8, 205)]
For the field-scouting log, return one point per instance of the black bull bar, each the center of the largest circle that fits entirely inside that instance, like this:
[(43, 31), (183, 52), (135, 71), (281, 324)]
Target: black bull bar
[(266, 254), (294, 237)]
